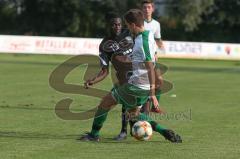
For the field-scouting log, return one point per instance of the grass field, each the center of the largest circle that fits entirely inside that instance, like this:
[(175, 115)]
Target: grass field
[(205, 111)]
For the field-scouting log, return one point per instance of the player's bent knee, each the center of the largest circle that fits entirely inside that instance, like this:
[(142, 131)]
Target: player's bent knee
[(107, 102)]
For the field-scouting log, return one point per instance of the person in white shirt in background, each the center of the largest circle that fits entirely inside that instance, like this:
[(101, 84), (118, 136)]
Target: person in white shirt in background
[(150, 23)]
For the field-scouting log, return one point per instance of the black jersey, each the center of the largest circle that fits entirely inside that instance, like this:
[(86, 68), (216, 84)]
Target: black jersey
[(111, 47)]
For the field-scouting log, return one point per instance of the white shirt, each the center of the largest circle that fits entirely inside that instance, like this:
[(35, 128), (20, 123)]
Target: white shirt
[(154, 27)]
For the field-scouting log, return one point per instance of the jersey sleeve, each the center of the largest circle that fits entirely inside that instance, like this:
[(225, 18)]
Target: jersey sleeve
[(157, 34), (104, 60)]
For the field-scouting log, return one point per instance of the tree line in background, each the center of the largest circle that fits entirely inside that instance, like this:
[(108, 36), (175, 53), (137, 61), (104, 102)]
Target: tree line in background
[(191, 20)]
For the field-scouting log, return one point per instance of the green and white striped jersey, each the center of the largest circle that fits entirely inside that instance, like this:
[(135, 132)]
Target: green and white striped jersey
[(143, 51)]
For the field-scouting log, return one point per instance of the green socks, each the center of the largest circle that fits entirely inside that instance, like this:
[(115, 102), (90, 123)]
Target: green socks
[(101, 116), (155, 126), (99, 119)]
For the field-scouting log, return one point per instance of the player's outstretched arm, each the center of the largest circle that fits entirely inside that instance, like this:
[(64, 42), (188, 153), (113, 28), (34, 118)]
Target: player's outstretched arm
[(151, 75), (100, 76)]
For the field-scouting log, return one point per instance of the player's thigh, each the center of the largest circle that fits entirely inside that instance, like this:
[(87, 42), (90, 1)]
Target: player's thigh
[(108, 102)]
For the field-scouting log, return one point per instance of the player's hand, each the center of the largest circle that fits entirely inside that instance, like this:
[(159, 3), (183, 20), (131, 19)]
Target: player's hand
[(88, 83), (154, 101), (156, 108), (162, 47)]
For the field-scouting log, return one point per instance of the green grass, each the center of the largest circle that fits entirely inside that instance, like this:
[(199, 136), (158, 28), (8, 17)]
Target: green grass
[(30, 129)]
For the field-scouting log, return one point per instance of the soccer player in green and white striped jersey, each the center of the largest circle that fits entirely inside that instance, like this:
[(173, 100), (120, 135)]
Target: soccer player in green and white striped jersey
[(154, 27)]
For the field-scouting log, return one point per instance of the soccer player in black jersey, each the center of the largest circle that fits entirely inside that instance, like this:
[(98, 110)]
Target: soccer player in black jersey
[(114, 46)]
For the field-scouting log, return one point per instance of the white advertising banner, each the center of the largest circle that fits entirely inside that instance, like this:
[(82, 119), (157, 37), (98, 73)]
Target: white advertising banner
[(200, 50), (48, 45), (76, 46)]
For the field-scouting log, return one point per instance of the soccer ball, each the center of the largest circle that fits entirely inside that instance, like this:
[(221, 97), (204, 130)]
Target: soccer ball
[(142, 130)]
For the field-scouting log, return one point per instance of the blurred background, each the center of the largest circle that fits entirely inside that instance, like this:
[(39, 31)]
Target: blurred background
[(181, 20)]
